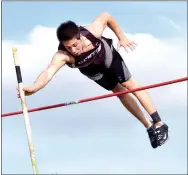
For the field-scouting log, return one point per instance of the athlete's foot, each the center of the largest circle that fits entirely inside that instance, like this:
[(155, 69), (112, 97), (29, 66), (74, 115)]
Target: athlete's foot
[(158, 135), (162, 134)]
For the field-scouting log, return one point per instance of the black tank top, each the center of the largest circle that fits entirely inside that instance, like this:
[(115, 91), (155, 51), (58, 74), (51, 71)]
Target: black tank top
[(90, 62)]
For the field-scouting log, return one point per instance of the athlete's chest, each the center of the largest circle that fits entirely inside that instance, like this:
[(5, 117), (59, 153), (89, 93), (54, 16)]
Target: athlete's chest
[(88, 46), (93, 55), (89, 55)]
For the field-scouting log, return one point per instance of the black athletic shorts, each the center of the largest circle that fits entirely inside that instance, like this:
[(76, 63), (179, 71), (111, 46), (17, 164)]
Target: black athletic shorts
[(118, 72)]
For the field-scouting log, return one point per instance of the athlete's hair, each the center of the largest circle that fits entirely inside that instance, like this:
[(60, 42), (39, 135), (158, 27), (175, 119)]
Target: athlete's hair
[(67, 30)]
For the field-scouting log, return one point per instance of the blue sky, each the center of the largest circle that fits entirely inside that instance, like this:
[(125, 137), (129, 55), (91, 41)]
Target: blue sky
[(132, 16), (100, 136)]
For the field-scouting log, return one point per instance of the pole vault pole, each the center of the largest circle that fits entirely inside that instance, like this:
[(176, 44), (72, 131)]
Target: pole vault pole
[(24, 109)]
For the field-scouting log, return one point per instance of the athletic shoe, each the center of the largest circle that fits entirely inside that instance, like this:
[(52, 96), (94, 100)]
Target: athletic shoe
[(162, 134)]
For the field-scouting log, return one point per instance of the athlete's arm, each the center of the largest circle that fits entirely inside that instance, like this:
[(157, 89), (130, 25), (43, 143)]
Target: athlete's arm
[(58, 61), (104, 20)]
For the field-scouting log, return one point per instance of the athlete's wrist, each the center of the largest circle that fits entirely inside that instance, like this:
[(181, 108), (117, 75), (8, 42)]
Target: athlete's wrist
[(123, 38)]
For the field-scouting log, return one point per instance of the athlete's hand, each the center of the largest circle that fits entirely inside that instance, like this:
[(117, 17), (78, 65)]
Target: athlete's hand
[(126, 43), (27, 91)]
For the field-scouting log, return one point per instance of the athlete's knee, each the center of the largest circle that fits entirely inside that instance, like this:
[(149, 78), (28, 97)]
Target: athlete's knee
[(118, 88), (130, 84)]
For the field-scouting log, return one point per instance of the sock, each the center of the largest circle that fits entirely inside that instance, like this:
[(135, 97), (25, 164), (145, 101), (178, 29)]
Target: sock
[(155, 116)]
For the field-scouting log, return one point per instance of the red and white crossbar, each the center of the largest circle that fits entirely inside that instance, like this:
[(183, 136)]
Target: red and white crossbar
[(97, 97)]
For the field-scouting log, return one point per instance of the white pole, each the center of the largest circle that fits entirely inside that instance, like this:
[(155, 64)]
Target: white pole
[(25, 112)]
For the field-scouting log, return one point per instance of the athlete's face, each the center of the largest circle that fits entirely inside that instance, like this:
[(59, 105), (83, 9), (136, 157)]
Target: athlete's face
[(74, 46)]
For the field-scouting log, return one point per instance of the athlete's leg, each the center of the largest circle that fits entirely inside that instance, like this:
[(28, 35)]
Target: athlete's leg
[(144, 98), (131, 105), (124, 77), (109, 81), (146, 102)]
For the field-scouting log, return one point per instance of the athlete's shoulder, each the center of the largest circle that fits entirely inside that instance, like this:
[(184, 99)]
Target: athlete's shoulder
[(65, 56), (98, 25), (91, 28)]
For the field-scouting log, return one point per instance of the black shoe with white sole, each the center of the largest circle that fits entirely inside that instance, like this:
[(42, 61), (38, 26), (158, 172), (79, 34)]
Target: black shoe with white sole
[(162, 134), (158, 136)]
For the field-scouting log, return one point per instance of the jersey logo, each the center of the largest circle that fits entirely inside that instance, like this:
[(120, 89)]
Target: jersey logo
[(91, 55)]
